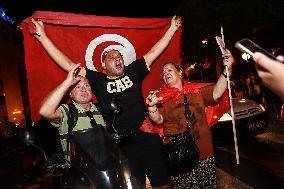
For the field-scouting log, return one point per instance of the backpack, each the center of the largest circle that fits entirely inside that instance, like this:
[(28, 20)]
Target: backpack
[(95, 143)]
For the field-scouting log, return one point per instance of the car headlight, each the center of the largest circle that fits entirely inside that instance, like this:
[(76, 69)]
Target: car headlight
[(225, 117)]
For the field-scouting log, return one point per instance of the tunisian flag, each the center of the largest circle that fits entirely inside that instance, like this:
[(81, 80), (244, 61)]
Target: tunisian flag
[(83, 38)]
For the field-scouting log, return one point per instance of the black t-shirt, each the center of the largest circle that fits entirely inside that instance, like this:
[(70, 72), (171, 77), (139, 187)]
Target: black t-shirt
[(127, 89)]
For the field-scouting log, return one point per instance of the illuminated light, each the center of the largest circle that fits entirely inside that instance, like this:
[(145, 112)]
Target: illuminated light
[(193, 65), (273, 51), (14, 118), (17, 112), (105, 175), (204, 41), (243, 100), (225, 117), (262, 107), (246, 56), (5, 17), (129, 185), (83, 179), (126, 174)]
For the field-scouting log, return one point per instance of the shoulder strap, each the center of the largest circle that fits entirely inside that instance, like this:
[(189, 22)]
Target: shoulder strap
[(72, 121), (72, 117), (91, 116)]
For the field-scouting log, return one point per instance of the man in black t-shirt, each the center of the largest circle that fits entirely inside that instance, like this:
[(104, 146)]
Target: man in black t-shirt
[(125, 84), (127, 89)]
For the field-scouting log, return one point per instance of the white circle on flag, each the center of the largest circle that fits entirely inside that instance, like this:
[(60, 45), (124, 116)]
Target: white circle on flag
[(124, 47)]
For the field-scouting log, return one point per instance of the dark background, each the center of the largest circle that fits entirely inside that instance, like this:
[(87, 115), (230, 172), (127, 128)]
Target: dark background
[(260, 20)]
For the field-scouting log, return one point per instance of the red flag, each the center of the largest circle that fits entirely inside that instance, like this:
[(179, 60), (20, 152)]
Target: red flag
[(83, 38)]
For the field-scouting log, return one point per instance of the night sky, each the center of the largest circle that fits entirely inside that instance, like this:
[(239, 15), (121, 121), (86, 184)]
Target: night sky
[(255, 19)]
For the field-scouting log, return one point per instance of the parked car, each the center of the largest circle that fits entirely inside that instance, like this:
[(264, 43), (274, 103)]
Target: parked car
[(251, 119)]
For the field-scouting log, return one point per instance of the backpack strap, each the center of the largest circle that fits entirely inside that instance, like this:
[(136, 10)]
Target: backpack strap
[(91, 116), (72, 121)]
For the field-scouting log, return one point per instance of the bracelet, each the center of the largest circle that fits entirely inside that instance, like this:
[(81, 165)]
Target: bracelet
[(224, 75), (151, 112)]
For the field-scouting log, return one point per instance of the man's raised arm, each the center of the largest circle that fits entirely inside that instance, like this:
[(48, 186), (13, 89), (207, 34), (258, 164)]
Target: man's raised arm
[(50, 106), (221, 85), (57, 56), (162, 44)]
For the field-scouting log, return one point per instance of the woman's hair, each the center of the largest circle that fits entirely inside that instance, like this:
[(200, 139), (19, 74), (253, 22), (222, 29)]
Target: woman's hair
[(177, 66)]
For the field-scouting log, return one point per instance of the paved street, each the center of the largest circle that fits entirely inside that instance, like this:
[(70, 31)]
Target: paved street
[(261, 163), (226, 181)]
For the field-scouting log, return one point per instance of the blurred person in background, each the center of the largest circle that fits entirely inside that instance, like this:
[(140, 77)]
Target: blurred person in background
[(271, 73)]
